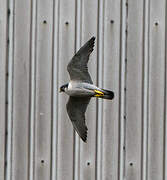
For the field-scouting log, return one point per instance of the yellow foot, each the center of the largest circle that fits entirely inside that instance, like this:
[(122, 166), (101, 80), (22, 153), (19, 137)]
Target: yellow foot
[(98, 93)]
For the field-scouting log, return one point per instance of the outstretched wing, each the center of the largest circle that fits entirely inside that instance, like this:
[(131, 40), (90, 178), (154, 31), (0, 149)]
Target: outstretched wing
[(77, 67), (76, 108)]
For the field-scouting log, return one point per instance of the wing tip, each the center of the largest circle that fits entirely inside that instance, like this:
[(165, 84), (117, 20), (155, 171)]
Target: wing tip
[(84, 139), (81, 131), (83, 136), (92, 38), (91, 43)]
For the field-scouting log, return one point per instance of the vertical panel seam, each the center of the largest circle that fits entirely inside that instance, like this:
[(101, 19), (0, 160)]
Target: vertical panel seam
[(32, 87), (122, 99), (6, 86), (165, 102), (9, 145), (56, 14), (145, 88), (125, 85), (100, 75), (52, 92)]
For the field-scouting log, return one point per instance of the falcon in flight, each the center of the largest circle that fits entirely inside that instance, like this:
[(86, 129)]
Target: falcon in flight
[(81, 89)]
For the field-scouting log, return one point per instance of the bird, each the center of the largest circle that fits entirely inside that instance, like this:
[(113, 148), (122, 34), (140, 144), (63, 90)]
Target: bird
[(81, 88)]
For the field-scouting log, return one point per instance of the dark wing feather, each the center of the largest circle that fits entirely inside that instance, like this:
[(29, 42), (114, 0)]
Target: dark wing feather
[(76, 108), (77, 67)]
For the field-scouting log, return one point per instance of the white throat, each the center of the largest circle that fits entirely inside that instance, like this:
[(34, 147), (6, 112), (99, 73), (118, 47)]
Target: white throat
[(69, 86)]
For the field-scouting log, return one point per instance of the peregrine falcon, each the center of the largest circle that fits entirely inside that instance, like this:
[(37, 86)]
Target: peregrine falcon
[(80, 89)]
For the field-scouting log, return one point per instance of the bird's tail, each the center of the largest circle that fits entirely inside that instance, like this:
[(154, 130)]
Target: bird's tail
[(105, 94)]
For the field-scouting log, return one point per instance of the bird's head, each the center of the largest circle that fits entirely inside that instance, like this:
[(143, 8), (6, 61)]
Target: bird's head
[(64, 88)]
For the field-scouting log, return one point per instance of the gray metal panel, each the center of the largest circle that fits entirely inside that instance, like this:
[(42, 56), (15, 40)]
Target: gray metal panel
[(44, 35), (110, 80), (10, 92), (33, 91), (87, 154), (133, 101), (65, 139), (55, 89), (3, 66), (156, 90), (123, 41), (165, 109), (145, 90), (21, 74), (43, 104)]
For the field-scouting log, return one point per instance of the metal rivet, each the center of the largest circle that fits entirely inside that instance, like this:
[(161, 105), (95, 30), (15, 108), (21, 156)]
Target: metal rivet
[(156, 23), (112, 21), (131, 164)]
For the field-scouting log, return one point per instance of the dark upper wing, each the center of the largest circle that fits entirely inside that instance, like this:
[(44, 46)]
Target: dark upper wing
[(77, 67), (76, 108)]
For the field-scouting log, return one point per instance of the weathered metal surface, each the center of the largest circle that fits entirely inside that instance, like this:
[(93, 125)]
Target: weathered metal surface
[(21, 90), (127, 137), (66, 48), (156, 91), (133, 103), (43, 91), (3, 82)]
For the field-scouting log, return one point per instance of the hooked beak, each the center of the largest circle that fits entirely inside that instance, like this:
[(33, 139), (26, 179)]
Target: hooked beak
[(60, 90)]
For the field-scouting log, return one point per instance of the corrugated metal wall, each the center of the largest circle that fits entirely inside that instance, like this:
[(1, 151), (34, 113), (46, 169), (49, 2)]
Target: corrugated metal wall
[(127, 138)]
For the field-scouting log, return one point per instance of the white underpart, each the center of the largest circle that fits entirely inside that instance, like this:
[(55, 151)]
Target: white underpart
[(76, 88)]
